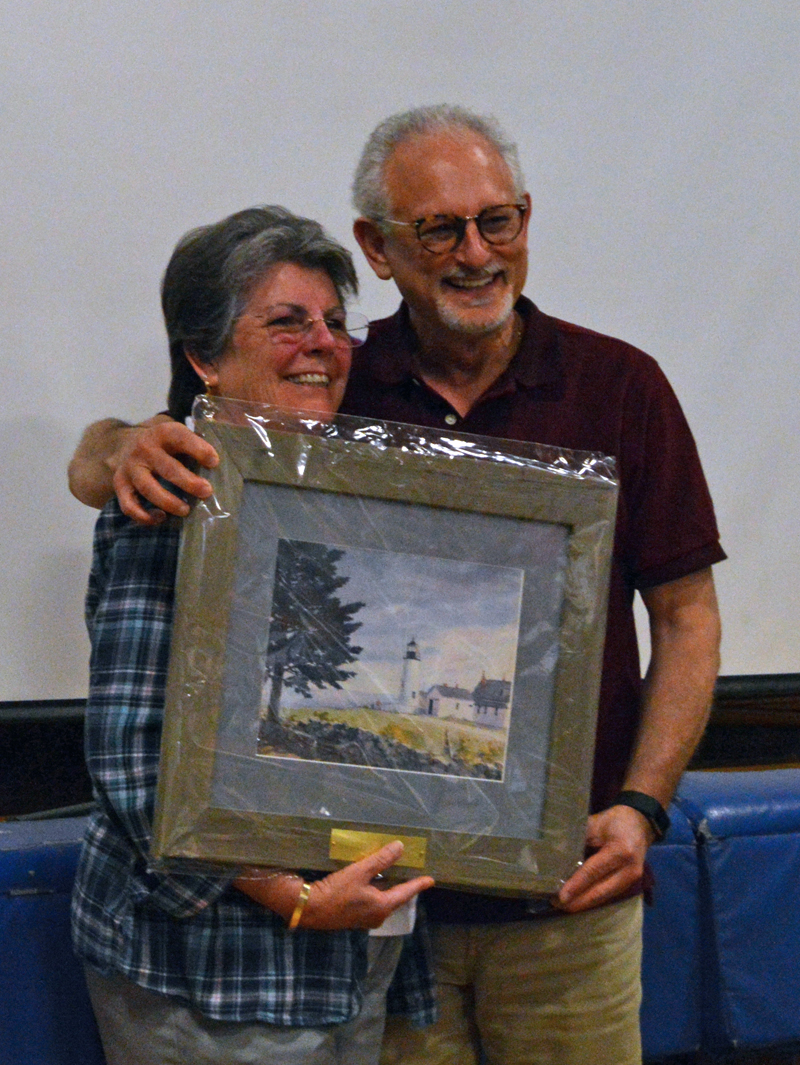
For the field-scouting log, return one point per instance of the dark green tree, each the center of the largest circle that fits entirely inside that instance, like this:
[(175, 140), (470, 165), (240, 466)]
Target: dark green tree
[(310, 627)]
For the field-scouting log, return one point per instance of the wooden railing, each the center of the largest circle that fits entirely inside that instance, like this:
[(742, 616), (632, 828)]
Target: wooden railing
[(755, 723)]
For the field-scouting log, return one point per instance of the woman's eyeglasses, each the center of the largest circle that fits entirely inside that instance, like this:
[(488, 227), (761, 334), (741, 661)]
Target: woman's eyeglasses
[(287, 324)]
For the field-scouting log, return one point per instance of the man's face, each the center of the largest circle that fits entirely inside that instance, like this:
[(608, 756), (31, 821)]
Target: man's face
[(472, 289)]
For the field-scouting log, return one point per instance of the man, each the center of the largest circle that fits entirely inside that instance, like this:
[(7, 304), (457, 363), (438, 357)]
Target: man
[(443, 212)]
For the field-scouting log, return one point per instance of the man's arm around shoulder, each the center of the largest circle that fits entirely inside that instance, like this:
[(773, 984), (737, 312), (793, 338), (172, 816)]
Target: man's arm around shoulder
[(114, 457)]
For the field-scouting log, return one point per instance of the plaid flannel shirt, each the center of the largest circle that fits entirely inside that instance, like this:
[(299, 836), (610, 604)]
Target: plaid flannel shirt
[(189, 936)]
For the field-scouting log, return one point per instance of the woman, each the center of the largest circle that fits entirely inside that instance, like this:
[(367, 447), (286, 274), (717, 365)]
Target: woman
[(262, 967)]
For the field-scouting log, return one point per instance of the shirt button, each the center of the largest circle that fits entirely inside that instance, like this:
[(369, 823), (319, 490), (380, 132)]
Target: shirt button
[(451, 419)]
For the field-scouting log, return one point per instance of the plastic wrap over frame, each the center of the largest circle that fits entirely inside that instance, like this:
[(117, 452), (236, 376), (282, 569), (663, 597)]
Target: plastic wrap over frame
[(383, 632)]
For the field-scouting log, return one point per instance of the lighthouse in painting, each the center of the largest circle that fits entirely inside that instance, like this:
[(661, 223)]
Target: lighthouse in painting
[(409, 684)]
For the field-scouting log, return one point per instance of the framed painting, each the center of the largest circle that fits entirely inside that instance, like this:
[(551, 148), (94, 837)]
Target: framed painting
[(386, 633)]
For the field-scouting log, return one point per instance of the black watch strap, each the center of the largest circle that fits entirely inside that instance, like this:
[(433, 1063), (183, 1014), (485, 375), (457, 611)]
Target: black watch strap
[(648, 806)]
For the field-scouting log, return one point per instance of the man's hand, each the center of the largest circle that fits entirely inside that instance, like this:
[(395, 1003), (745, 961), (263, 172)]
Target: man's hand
[(619, 837), (684, 637), (148, 451), (126, 459), (348, 898)]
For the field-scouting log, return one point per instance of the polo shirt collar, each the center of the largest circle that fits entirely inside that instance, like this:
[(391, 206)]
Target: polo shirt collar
[(537, 362)]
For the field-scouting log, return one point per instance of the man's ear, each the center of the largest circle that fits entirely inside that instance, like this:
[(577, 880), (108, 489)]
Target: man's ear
[(527, 220), (205, 371), (372, 241)]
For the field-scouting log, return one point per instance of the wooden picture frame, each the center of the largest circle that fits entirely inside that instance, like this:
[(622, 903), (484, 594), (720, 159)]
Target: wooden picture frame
[(497, 557)]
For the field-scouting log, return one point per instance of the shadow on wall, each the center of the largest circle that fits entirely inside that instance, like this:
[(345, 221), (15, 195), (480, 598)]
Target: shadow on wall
[(46, 551)]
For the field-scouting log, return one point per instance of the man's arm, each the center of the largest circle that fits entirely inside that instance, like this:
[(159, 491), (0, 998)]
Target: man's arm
[(113, 456), (685, 637)]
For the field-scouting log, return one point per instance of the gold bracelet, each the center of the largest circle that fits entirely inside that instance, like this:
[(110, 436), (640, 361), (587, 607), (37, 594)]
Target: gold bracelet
[(302, 899)]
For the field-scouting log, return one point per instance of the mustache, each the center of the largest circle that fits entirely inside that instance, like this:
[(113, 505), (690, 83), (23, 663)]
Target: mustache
[(465, 273)]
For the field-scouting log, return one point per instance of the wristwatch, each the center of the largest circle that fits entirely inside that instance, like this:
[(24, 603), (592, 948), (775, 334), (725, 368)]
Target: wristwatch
[(647, 806)]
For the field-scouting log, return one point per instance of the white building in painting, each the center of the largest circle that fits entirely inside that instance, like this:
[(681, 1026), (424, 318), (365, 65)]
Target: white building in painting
[(444, 700), (490, 699), (486, 705), (408, 703)]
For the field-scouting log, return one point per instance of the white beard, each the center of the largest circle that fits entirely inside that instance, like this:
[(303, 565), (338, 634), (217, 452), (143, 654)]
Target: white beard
[(461, 321)]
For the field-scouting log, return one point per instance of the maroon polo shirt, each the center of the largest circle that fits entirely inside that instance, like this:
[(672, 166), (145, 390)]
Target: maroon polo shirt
[(574, 388)]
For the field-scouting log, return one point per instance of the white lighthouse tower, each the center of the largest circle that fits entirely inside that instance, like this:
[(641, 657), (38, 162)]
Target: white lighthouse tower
[(409, 684)]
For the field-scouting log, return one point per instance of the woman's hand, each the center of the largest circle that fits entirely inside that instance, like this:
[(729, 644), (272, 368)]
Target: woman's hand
[(348, 898)]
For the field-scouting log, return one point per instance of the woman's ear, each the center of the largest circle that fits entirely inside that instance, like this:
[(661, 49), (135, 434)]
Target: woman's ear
[(372, 242), (205, 371)]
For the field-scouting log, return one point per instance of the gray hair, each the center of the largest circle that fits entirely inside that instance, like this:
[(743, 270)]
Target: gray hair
[(212, 272), (370, 197)]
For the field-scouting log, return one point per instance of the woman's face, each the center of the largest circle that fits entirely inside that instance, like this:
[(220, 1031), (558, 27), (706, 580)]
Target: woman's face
[(306, 371)]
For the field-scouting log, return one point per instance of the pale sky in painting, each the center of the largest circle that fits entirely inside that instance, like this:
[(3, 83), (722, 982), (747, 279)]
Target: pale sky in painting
[(464, 617)]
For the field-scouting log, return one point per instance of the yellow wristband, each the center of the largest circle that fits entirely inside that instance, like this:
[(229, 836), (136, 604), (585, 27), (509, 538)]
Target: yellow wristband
[(302, 899)]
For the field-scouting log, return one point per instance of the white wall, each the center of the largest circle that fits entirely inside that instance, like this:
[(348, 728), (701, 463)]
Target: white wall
[(660, 141)]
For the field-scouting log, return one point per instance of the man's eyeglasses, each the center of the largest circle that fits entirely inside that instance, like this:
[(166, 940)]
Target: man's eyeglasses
[(444, 232), (286, 323)]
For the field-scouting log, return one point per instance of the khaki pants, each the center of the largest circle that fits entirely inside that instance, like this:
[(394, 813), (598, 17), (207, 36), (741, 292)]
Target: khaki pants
[(138, 1027), (564, 991)]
